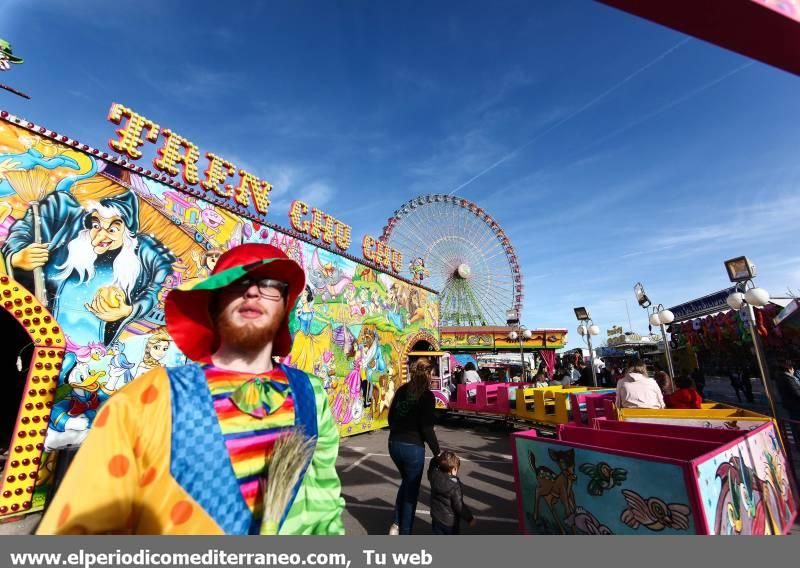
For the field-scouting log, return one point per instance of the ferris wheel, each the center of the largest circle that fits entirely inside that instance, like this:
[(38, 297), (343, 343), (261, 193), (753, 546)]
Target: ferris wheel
[(457, 248)]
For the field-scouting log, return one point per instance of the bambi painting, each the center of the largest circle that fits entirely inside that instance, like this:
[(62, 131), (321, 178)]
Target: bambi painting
[(554, 488)]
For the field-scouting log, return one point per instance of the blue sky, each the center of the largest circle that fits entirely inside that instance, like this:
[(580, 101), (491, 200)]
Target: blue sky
[(624, 151)]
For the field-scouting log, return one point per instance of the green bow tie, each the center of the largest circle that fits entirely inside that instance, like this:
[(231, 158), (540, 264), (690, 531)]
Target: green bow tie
[(260, 396)]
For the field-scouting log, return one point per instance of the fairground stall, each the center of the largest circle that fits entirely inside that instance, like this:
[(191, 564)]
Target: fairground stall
[(708, 334), (91, 243), (479, 340)]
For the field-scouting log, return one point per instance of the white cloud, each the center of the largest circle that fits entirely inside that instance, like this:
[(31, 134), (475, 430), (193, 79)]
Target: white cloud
[(282, 178), (750, 223), (514, 79), (316, 193), (191, 82)]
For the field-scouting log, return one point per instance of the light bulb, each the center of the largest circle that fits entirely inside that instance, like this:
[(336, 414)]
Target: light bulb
[(513, 336), (527, 334), (666, 316), (757, 297), (735, 300), (581, 330), (654, 319), (594, 329)]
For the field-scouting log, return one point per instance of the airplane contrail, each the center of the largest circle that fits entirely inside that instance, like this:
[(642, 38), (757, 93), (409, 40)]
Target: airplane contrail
[(585, 107), (680, 100), (690, 95)]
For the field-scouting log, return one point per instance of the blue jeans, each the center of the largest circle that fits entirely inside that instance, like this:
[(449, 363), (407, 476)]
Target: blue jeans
[(439, 528), (410, 461)]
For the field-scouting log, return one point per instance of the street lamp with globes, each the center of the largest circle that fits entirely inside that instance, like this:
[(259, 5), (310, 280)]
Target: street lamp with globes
[(745, 298), (587, 329), (658, 316), (521, 333)]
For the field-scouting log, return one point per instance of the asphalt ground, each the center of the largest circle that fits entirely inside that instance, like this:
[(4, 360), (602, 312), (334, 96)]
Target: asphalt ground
[(370, 479)]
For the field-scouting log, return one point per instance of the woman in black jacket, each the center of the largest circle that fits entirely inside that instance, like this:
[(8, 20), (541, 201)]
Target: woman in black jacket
[(410, 427)]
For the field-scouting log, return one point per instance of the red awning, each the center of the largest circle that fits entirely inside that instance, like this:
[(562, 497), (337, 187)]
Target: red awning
[(765, 30)]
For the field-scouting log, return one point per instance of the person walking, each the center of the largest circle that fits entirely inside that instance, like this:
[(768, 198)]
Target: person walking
[(447, 495), (586, 377), (747, 382), (789, 391), (604, 377), (736, 384), (410, 428), (699, 378)]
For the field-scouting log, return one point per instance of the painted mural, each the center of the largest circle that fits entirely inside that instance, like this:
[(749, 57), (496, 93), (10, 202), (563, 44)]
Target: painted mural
[(100, 247), (567, 490), (747, 489), (351, 328)]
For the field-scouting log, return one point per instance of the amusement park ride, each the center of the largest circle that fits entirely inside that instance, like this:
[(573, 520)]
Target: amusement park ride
[(463, 252), (438, 282)]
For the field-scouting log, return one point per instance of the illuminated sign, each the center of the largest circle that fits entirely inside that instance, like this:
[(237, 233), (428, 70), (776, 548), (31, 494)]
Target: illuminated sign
[(179, 155), (238, 188), (322, 226), (382, 254)]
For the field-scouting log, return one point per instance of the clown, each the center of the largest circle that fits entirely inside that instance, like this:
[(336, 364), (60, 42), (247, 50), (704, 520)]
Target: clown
[(195, 449)]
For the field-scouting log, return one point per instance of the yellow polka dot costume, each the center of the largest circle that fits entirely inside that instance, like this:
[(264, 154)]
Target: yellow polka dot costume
[(155, 461)]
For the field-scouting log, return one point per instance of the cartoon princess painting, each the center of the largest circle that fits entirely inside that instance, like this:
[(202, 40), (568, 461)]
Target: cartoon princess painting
[(348, 406), (308, 348)]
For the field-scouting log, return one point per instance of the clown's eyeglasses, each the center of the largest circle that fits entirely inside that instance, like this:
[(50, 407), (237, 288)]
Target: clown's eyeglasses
[(268, 288)]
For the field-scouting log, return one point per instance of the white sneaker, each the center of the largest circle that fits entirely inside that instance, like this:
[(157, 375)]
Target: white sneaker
[(394, 529)]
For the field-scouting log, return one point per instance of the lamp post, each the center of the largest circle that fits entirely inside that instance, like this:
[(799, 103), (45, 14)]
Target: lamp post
[(660, 316), (587, 329), (519, 332), (747, 297)]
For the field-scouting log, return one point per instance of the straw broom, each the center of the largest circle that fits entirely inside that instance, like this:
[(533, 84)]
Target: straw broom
[(32, 186), (13, 90), (290, 456)]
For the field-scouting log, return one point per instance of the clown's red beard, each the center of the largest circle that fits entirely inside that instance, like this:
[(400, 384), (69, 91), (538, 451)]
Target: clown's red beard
[(248, 337)]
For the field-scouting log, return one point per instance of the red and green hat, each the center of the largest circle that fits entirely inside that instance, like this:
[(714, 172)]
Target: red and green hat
[(187, 307)]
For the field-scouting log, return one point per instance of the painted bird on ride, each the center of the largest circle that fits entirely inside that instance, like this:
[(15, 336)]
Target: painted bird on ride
[(603, 477)]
